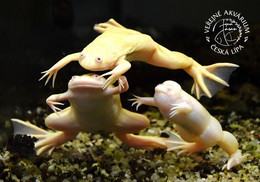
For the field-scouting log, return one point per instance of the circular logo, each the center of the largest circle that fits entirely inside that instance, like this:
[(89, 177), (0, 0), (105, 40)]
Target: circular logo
[(226, 32)]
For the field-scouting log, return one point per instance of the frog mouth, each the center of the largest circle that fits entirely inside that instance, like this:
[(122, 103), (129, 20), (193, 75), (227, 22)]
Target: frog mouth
[(86, 86)]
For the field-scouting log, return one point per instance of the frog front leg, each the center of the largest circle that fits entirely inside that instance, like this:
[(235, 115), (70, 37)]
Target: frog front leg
[(121, 67), (138, 101), (55, 100), (60, 64), (180, 108), (121, 88)]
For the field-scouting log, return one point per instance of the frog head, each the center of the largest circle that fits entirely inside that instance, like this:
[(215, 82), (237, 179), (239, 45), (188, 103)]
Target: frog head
[(86, 81), (96, 57), (167, 92)]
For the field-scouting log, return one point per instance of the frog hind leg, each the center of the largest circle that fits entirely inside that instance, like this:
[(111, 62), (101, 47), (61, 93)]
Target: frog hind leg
[(177, 144), (101, 27), (131, 122), (230, 145), (210, 79), (236, 159), (142, 142), (26, 128), (47, 141), (207, 79)]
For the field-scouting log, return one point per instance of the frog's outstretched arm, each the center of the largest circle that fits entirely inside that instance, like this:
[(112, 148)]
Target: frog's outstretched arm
[(55, 100), (121, 88), (60, 64), (138, 101), (122, 66)]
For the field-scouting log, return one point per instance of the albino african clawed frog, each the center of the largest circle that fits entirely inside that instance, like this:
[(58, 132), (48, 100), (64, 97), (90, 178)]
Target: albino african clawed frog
[(92, 108), (117, 46), (198, 130)]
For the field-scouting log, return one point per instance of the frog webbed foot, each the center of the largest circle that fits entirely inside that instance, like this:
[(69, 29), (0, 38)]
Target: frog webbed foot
[(101, 27), (26, 128), (45, 144), (177, 144), (210, 79), (47, 141), (235, 159)]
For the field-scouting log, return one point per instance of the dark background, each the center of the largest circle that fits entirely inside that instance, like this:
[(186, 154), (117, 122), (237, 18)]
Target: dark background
[(34, 35)]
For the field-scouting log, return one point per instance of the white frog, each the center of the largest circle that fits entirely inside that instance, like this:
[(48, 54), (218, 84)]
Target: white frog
[(92, 108), (197, 129)]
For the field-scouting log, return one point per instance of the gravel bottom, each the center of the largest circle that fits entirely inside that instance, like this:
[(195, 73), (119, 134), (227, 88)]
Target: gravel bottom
[(102, 157)]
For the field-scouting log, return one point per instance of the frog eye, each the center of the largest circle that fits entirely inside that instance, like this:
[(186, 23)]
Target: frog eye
[(75, 76), (99, 59), (169, 87), (96, 76)]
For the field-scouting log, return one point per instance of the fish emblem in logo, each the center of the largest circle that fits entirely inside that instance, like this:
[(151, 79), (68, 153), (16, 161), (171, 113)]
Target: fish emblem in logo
[(228, 32)]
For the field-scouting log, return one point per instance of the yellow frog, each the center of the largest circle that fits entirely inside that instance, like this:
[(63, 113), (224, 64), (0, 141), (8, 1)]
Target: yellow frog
[(92, 108), (117, 46)]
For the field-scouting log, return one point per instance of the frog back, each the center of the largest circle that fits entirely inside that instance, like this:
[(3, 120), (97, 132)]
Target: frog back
[(115, 42)]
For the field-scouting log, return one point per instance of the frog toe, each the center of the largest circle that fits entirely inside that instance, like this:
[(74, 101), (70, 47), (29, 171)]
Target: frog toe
[(112, 79), (200, 88), (47, 141), (49, 74), (101, 27), (212, 79), (236, 159), (175, 143), (48, 149), (26, 128)]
